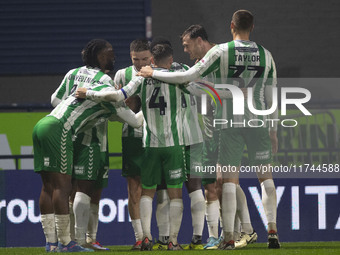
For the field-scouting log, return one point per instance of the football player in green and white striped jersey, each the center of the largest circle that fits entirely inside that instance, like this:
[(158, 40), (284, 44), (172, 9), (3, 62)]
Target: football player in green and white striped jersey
[(132, 145), (254, 64), (91, 156), (164, 143), (193, 140), (196, 44), (163, 140), (53, 153)]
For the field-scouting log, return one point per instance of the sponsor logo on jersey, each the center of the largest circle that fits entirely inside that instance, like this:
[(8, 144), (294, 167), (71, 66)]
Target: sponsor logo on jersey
[(246, 49)]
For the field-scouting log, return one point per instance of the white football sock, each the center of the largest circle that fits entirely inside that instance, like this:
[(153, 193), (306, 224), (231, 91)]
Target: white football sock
[(228, 209), (81, 208), (176, 214), (48, 225), (212, 215), (162, 213), (137, 228), (269, 202), (197, 206), (62, 223), (242, 210), (72, 221), (145, 215), (92, 226)]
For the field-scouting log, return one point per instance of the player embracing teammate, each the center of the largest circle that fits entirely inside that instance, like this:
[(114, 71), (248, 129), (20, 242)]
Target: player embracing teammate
[(240, 62), (245, 64)]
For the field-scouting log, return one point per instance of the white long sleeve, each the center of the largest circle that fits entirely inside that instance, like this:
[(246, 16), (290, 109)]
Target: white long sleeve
[(176, 77), (54, 100), (201, 68), (132, 86), (111, 95), (62, 87), (128, 116), (196, 89)]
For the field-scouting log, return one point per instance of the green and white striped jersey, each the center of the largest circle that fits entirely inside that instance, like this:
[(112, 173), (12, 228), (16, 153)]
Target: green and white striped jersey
[(244, 64), (162, 110), (79, 77), (191, 129), (163, 114), (84, 77), (76, 114), (123, 77)]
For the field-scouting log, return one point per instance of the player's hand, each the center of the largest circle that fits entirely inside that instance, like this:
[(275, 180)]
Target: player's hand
[(118, 86), (274, 141), (81, 92), (146, 72)]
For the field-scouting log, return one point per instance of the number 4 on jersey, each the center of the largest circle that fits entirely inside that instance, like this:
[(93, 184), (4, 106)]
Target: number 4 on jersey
[(161, 104)]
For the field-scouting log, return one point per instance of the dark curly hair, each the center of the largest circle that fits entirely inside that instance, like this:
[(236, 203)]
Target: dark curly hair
[(91, 50)]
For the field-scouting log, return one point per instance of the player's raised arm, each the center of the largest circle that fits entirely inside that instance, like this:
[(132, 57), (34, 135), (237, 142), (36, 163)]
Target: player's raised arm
[(170, 77), (201, 68)]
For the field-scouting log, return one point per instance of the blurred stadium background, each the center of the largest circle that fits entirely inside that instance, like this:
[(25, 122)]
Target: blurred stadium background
[(40, 40)]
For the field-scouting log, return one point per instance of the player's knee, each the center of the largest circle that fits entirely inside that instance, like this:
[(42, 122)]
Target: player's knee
[(193, 184), (211, 195)]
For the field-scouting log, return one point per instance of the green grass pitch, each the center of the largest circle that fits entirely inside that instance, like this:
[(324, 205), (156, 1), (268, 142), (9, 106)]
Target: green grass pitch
[(305, 248)]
